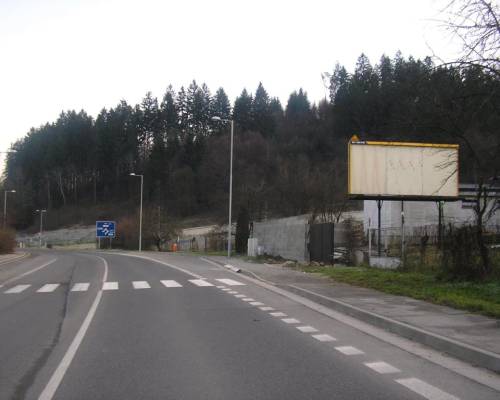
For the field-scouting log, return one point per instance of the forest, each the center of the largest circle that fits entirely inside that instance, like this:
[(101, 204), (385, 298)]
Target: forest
[(288, 158)]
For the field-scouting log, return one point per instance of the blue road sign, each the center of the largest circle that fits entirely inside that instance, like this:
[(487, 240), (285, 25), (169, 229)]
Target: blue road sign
[(105, 229)]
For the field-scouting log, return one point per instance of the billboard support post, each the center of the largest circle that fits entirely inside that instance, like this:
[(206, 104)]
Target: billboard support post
[(402, 233), (440, 224), (379, 243)]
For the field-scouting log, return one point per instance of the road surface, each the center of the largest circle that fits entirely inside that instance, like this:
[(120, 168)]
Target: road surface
[(92, 325)]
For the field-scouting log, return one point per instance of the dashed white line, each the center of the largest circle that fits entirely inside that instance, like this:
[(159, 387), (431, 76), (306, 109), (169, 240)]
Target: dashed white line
[(240, 296), (278, 314), (110, 286), (266, 308), (200, 282), (232, 292), (382, 367), (248, 299), (307, 329), (290, 321), (226, 290), (220, 287), (141, 285), (230, 282), (80, 287), (48, 288), (256, 303), (349, 350), (424, 389), (170, 283), (324, 337), (17, 289)]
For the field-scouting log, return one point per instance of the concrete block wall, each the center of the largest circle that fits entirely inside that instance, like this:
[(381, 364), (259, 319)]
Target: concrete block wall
[(285, 237)]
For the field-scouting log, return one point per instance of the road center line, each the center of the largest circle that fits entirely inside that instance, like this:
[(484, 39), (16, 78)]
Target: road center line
[(58, 375)]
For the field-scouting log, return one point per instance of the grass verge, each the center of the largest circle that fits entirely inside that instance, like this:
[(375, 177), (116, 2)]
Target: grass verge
[(483, 297)]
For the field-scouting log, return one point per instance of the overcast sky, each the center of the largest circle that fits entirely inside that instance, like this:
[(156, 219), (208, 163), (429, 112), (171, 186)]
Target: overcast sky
[(73, 54)]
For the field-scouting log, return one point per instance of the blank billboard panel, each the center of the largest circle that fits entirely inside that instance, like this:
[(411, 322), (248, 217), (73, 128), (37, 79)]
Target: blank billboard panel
[(402, 170)]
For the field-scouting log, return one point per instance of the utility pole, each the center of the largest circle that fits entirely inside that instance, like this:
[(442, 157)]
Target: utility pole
[(140, 209), (41, 225)]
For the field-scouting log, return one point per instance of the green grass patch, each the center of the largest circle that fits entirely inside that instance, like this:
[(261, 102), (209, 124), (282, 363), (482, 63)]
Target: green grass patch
[(480, 297)]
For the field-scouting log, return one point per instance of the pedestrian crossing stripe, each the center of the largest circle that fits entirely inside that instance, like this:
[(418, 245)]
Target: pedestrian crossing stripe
[(109, 286)]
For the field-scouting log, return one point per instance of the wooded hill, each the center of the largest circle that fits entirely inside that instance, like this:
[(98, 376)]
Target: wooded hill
[(288, 160)]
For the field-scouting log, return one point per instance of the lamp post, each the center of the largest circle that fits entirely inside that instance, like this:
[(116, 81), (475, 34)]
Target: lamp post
[(41, 224), (229, 228), (5, 206), (140, 210)]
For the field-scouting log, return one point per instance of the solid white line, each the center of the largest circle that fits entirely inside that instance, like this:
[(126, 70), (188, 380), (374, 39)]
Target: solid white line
[(307, 329), (230, 282), (324, 338), (382, 367), (256, 303), (17, 289), (424, 389), (349, 350), (141, 285), (28, 272), (110, 286), (49, 287), (266, 308), (290, 321), (80, 287), (278, 314), (200, 282), (63, 366), (170, 283)]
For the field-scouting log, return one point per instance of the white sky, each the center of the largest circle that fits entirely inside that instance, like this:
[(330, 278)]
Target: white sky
[(73, 54)]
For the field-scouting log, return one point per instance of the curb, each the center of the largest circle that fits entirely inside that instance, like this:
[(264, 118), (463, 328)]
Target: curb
[(462, 351), (17, 257)]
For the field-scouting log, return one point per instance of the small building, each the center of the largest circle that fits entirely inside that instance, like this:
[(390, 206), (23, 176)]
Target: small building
[(423, 216)]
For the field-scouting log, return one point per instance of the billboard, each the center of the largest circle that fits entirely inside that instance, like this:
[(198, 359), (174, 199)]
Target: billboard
[(399, 170)]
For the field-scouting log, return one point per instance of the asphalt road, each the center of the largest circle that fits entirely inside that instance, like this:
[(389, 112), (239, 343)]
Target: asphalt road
[(112, 326)]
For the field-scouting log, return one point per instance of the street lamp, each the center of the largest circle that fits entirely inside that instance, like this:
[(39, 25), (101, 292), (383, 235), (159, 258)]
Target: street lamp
[(41, 224), (5, 206), (230, 183), (140, 210)]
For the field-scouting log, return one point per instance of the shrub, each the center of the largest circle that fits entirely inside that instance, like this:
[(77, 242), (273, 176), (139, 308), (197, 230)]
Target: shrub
[(7, 241)]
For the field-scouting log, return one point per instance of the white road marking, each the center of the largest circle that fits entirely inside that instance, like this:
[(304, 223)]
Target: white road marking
[(248, 299), (232, 292), (240, 296), (290, 321), (307, 329), (349, 350), (230, 282), (17, 289), (110, 286), (15, 278), (220, 287), (141, 285), (256, 303), (382, 367), (424, 389), (266, 308), (200, 282), (80, 287), (324, 338), (48, 288), (58, 375), (278, 314), (226, 290), (170, 283)]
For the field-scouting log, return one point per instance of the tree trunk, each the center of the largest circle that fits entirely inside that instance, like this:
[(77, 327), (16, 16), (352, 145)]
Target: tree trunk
[(61, 189)]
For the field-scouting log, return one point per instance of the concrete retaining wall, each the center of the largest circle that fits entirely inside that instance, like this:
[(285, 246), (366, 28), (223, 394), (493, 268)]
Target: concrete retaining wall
[(285, 237)]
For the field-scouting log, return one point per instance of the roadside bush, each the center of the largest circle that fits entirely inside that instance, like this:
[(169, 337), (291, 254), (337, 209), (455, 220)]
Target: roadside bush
[(460, 257), (7, 241)]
